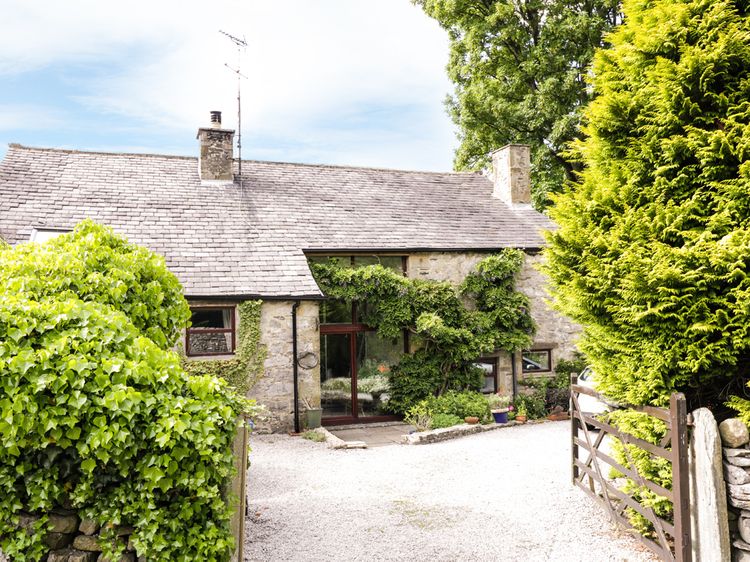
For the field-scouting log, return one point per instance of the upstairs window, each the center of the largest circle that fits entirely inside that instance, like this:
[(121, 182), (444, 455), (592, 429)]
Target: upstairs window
[(212, 331)]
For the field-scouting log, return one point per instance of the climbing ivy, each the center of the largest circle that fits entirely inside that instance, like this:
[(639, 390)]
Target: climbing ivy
[(244, 370), (451, 326)]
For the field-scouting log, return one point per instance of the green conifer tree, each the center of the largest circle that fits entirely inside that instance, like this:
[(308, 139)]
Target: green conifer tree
[(653, 251)]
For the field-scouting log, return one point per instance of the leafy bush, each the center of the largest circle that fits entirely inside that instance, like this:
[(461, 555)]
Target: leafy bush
[(96, 415), (533, 402), (92, 263), (445, 420), (458, 404), (419, 375)]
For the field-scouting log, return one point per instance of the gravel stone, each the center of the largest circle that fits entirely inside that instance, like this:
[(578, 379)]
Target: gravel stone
[(500, 495)]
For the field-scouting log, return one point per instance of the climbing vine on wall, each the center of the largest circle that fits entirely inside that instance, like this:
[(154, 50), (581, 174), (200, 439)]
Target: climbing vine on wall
[(451, 327), (244, 370)]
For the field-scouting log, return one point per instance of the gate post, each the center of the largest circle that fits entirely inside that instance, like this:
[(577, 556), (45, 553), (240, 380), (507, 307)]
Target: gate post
[(680, 477), (573, 429)]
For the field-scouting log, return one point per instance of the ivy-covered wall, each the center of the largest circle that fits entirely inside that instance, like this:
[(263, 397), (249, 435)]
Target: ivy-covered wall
[(553, 330), (246, 367)]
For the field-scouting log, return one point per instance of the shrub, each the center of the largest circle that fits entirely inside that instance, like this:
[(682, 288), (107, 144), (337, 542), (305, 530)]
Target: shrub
[(533, 402), (419, 376), (92, 263), (96, 414), (458, 404), (445, 420)]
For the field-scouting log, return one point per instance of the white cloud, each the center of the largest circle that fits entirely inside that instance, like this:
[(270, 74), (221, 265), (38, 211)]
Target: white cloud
[(309, 62)]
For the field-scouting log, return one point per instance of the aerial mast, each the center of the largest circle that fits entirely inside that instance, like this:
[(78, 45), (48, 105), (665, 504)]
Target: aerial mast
[(241, 44)]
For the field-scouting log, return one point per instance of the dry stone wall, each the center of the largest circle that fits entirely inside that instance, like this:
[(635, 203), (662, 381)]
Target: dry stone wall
[(71, 539), (736, 452)]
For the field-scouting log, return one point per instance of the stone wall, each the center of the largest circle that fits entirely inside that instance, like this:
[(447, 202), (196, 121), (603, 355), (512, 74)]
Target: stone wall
[(735, 438), (275, 390), (71, 539)]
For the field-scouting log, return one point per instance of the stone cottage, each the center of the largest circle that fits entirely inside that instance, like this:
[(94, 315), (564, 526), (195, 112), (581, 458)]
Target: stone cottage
[(234, 232)]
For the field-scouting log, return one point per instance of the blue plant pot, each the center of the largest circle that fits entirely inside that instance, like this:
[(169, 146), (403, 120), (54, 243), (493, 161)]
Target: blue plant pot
[(500, 417)]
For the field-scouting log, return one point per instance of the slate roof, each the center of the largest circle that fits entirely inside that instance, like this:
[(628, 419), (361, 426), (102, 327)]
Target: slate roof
[(223, 240)]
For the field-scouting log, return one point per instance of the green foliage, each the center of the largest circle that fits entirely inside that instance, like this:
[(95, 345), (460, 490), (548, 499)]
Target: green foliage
[(96, 414), (246, 367), (92, 263), (450, 334), (421, 374), (445, 420), (315, 436), (566, 367), (497, 402), (452, 403), (653, 248), (518, 67), (655, 469), (533, 402)]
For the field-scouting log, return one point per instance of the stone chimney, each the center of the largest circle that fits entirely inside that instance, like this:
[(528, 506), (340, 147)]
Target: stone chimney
[(511, 166), (215, 162)]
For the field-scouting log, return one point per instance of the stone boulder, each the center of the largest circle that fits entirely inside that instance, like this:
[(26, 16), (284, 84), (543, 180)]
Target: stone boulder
[(734, 433)]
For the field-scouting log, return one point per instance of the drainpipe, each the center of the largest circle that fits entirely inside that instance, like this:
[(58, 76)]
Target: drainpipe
[(295, 370), (513, 375)]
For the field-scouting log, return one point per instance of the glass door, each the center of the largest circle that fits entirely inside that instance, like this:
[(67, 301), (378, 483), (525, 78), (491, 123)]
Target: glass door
[(336, 375)]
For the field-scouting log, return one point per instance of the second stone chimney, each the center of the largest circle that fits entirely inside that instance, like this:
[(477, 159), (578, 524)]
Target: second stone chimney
[(511, 171), (215, 161)]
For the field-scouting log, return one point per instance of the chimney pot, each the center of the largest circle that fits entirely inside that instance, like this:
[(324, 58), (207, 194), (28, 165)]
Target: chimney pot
[(216, 119), (511, 166)]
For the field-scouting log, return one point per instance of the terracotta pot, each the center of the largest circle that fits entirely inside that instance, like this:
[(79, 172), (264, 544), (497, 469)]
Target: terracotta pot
[(521, 419), (471, 419)]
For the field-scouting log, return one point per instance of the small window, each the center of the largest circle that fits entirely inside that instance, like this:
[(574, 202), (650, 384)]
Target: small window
[(489, 366), (42, 235), (537, 361), (212, 331)]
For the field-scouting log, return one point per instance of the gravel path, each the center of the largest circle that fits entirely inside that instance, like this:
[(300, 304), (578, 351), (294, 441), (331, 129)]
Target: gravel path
[(501, 495)]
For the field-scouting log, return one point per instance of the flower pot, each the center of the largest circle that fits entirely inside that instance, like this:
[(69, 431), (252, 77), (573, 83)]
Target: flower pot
[(471, 419), (521, 419), (312, 418), (501, 416)]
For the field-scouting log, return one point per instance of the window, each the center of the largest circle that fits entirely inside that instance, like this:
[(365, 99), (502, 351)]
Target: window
[(42, 235), (212, 331), (489, 366), (536, 361)]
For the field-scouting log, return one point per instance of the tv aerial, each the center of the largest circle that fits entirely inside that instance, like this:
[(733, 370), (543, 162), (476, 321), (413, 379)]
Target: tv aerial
[(241, 44)]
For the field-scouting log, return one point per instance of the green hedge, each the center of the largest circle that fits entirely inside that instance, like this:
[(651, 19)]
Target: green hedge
[(97, 416)]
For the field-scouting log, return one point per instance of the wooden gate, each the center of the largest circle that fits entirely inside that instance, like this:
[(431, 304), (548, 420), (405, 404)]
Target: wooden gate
[(672, 541)]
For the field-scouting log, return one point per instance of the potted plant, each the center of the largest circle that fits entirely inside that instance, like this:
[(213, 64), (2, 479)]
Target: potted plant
[(312, 414), (522, 415), (499, 406)]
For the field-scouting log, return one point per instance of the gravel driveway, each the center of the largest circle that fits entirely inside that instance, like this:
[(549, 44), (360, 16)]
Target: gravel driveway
[(501, 495)]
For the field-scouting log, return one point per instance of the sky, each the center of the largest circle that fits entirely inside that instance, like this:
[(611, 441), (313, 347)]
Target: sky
[(351, 82)]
